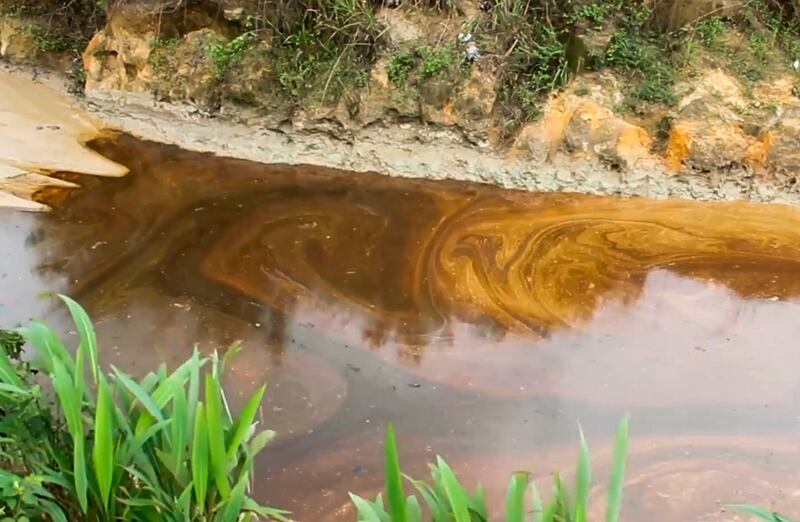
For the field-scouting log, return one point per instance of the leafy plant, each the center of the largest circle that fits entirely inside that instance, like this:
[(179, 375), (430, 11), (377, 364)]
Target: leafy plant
[(448, 500), (152, 449)]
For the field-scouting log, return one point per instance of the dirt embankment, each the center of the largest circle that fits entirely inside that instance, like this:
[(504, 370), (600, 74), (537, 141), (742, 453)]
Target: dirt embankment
[(690, 98)]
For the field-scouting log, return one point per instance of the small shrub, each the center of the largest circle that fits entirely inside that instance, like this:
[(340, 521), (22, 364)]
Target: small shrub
[(400, 64), (448, 500)]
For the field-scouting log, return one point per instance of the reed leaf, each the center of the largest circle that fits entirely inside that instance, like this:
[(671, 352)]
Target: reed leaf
[(515, 497), (616, 480), (200, 457), (216, 436), (394, 479), (88, 338), (454, 491), (70, 402), (139, 393), (103, 450), (583, 477), (244, 424)]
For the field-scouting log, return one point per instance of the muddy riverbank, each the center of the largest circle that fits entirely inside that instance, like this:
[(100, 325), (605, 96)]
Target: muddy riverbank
[(408, 151)]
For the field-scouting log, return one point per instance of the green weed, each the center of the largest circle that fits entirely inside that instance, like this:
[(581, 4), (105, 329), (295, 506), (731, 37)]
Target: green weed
[(644, 55), (46, 40), (758, 44), (400, 64), (448, 500), (595, 13), (434, 61), (709, 31), (325, 46), (121, 449), (225, 55)]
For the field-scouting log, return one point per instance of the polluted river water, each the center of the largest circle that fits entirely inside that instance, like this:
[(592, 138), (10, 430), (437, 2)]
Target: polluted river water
[(485, 323)]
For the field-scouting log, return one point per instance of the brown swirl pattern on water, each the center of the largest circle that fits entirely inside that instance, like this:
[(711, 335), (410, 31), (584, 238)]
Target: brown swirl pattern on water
[(469, 285), (532, 263), (484, 323)]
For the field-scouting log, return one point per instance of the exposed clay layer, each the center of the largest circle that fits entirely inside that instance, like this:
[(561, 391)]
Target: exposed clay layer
[(41, 133)]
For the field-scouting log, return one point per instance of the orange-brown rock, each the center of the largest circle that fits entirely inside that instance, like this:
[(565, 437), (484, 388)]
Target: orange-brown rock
[(16, 40), (117, 57)]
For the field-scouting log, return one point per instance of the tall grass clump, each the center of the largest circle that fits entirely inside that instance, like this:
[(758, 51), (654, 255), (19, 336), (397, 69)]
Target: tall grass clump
[(165, 447), (446, 499), (533, 43), (324, 46)]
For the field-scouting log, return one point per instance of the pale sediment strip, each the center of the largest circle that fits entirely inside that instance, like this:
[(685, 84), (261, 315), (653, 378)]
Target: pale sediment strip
[(41, 133)]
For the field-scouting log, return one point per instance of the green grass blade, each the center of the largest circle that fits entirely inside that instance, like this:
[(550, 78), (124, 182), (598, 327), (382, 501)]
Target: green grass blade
[(580, 513), (52, 510), (366, 511), (454, 491), (413, 509), (394, 478), (216, 435), (438, 511), (200, 457), (515, 497), (103, 450), (618, 472), (477, 503), (536, 500), (184, 502), (49, 346), (233, 506), (562, 497), (549, 514), (759, 512), (244, 423), (179, 437), (8, 374), (139, 393), (70, 402), (88, 338), (583, 477)]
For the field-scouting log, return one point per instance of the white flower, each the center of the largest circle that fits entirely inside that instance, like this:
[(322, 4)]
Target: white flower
[(796, 64)]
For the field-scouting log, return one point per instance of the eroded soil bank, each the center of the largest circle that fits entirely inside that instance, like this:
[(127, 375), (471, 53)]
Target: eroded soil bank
[(485, 323), (694, 99)]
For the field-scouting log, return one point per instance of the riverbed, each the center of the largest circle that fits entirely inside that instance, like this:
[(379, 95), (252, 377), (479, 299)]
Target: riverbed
[(485, 323)]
